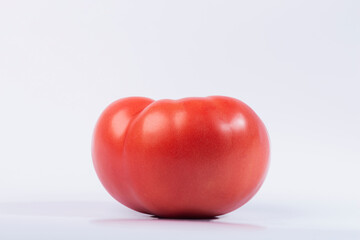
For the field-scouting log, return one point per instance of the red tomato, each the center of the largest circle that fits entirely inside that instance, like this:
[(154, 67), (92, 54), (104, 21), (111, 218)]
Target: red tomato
[(187, 158)]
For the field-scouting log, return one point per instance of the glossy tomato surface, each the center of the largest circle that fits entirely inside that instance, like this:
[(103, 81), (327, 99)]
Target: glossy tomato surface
[(186, 158)]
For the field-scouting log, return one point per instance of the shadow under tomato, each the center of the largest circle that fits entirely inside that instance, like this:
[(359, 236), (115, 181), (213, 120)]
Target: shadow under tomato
[(106, 214), (153, 221)]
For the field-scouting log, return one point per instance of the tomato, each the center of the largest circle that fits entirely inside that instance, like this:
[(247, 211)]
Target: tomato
[(186, 158)]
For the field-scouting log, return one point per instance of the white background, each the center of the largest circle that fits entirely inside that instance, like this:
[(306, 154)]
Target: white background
[(296, 63)]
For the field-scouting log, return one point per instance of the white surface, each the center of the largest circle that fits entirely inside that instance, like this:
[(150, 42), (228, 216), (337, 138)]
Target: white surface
[(106, 220), (296, 63)]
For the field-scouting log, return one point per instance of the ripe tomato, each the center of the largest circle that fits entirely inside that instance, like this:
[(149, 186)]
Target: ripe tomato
[(186, 158)]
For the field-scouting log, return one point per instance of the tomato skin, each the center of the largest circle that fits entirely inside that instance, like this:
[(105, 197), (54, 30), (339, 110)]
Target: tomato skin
[(186, 158)]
